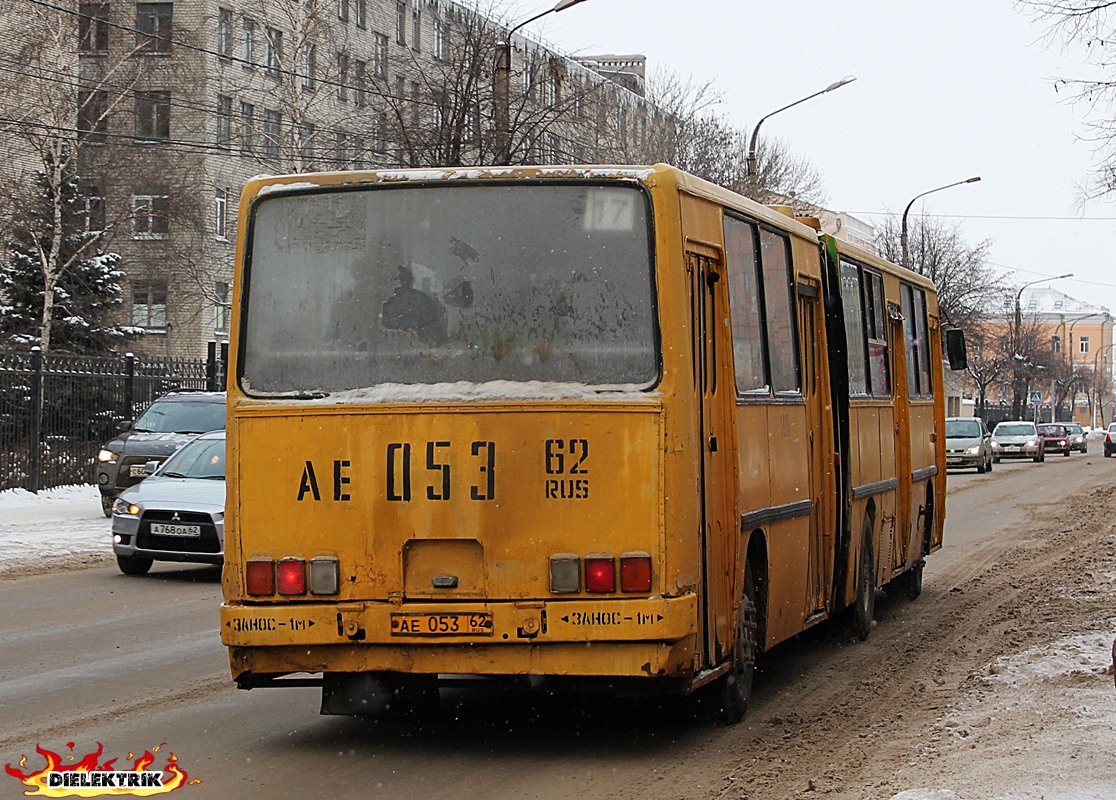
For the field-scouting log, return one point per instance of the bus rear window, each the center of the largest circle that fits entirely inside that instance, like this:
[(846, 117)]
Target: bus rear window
[(349, 289)]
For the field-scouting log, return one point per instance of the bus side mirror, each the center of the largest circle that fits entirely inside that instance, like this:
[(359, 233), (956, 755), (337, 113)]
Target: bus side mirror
[(955, 349)]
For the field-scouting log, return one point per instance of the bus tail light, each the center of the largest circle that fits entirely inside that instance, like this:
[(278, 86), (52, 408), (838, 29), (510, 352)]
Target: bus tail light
[(291, 576), (600, 574), (635, 572), (565, 573), (324, 575), (260, 577)]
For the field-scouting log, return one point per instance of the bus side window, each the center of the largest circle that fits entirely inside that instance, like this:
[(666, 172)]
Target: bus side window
[(854, 328), (746, 312), (782, 329), (876, 306)]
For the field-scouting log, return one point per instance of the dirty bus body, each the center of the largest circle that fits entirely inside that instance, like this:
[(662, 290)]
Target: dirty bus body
[(567, 423)]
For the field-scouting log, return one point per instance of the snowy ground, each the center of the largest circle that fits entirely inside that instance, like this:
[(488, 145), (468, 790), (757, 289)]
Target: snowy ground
[(56, 528)]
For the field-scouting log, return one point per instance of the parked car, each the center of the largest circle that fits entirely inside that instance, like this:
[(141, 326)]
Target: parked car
[(1078, 436), (166, 425), (1056, 438), (1017, 439), (968, 443), (177, 513), (1110, 441)]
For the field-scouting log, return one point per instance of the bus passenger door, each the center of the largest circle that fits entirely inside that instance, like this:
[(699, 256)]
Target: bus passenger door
[(820, 449), (892, 544), (708, 317)]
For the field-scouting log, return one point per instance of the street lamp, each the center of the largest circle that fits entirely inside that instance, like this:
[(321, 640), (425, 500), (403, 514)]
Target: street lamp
[(903, 235), (501, 86), (1016, 330), (751, 164)]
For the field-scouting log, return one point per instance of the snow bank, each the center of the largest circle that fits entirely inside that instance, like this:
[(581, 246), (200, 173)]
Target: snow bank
[(64, 523)]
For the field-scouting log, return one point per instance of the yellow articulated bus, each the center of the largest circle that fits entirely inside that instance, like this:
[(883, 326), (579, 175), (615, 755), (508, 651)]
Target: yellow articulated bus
[(598, 427)]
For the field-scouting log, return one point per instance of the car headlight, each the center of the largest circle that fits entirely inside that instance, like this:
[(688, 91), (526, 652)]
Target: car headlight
[(995, 445), (1032, 442), (974, 450), (106, 455), (124, 508)]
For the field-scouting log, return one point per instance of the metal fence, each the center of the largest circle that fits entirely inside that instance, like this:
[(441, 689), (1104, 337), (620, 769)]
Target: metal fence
[(56, 411)]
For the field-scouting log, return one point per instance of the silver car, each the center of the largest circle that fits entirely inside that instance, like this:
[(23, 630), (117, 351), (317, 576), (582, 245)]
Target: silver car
[(1017, 439), (177, 513), (968, 443)]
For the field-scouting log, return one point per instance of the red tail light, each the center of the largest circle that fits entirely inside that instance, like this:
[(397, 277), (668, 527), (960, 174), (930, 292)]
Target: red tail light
[(635, 572), (291, 576), (600, 574), (259, 577)]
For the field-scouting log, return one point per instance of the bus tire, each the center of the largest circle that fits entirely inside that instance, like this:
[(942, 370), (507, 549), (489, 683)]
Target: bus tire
[(736, 686), (865, 607), (134, 565), (912, 580)]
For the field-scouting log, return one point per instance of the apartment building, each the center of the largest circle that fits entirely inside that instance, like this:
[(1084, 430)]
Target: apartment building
[(176, 104), (1071, 344)]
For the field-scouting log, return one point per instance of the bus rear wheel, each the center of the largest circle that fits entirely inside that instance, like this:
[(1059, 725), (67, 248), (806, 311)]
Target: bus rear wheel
[(736, 686), (865, 586)]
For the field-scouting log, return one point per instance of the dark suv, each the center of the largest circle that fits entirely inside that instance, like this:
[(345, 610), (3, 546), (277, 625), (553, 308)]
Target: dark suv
[(166, 425)]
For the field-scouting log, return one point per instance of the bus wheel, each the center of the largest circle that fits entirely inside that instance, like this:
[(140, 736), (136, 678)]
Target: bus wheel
[(912, 580), (865, 586), (736, 686), (134, 565)]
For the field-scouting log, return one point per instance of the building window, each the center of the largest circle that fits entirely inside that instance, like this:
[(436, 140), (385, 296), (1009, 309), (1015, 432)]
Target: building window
[(341, 149), (360, 79), (441, 40), (342, 76), (306, 144), (150, 216), (149, 305), (416, 29), (224, 120), (414, 103), (222, 305), (91, 209), (249, 44), (153, 116), (1083, 345), (309, 66), (471, 132), (273, 51), (92, 117), (247, 126), (273, 123), (1056, 344), (379, 55), (93, 28), (220, 214), (224, 32), (362, 13), (401, 23), (343, 10), (153, 27)]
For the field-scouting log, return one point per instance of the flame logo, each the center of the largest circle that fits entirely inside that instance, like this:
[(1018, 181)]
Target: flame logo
[(73, 784)]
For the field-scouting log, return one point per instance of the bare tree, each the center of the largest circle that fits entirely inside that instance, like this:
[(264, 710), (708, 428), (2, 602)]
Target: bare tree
[(1089, 23), (691, 133), (57, 106), (989, 360), (967, 286)]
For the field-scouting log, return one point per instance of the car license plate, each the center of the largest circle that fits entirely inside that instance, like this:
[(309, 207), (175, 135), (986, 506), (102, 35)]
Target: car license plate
[(137, 471), (953, 460), (1012, 448), (454, 624), (168, 529)]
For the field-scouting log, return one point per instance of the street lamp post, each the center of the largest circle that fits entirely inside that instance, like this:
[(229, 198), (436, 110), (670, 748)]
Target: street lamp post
[(502, 84), (1016, 332), (903, 234), (751, 163)]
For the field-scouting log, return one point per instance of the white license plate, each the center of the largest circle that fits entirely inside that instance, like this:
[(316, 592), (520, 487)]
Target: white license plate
[(168, 529), (953, 460), (1013, 448), (137, 471)]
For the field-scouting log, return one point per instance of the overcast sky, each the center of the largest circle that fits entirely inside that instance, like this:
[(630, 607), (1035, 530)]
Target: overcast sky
[(944, 91)]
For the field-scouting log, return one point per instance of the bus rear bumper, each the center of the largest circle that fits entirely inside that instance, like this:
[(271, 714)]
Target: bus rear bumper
[(647, 637)]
